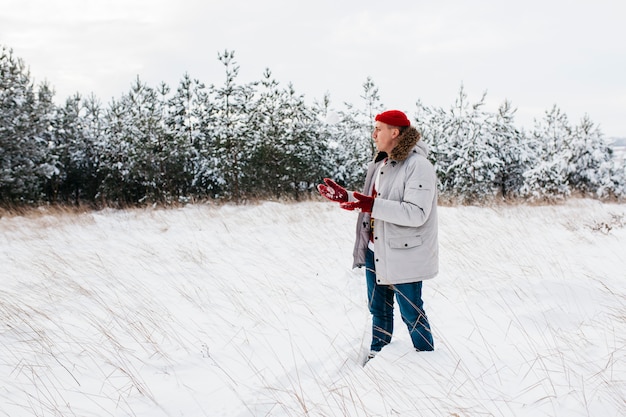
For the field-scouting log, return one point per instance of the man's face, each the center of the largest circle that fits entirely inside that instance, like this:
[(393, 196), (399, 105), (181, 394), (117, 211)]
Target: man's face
[(385, 137)]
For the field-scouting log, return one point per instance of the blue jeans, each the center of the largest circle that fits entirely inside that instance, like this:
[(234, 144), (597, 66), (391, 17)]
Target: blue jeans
[(380, 301)]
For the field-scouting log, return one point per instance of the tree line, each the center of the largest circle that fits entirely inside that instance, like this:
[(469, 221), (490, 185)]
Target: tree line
[(240, 141)]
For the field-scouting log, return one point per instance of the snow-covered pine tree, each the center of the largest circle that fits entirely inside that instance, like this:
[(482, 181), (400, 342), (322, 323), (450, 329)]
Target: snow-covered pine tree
[(116, 162), (429, 122), (303, 149), (188, 123), (24, 126), (618, 176), (512, 149), (327, 129), (132, 166), (95, 144), (590, 166), (173, 154), (371, 107), (75, 171), (546, 179), (232, 132), (352, 142), (284, 147), (267, 149), (470, 162), (44, 124)]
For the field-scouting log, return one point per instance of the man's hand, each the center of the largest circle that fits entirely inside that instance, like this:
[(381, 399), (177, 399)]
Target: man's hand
[(363, 203), (333, 191)]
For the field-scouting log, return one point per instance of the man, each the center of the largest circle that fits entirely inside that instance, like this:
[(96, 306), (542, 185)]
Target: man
[(396, 235)]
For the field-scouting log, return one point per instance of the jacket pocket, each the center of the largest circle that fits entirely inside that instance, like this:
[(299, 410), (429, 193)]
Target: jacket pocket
[(405, 242)]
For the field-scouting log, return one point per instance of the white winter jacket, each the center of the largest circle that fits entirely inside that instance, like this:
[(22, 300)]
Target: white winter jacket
[(406, 247)]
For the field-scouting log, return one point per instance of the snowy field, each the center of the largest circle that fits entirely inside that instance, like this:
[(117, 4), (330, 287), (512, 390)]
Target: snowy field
[(255, 311)]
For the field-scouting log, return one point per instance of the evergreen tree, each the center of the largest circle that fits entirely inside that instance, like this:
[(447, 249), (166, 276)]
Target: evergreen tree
[(512, 150), (132, 165), (430, 122), (590, 167), (267, 145), (44, 124), (303, 149), (327, 129), (372, 106), (618, 177), (72, 149), (95, 143), (468, 161), (286, 152), (188, 124), (171, 177), (69, 148), (231, 132), (546, 179), (353, 143), (24, 130), (236, 141)]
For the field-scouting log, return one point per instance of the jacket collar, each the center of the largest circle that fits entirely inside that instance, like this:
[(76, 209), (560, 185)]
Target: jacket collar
[(406, 142)]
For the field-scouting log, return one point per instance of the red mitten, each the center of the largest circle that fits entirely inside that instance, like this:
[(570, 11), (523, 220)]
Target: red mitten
[(333, 191), (363, 203)]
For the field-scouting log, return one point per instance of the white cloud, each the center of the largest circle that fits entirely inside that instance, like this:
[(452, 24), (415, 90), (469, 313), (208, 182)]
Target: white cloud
[(534, 53)]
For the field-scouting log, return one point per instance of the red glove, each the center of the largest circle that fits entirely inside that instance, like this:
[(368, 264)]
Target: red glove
[(333, 191), (363, 203)]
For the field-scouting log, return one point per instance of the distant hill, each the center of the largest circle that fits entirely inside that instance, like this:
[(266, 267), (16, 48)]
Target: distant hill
[(616, 142), (619, 147)]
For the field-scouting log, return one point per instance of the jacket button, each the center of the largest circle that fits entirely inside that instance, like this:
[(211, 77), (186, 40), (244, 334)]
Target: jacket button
[(406, 244), (375, 237), (376, 259)]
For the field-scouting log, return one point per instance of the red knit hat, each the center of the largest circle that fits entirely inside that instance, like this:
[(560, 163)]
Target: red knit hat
[(393, 118)]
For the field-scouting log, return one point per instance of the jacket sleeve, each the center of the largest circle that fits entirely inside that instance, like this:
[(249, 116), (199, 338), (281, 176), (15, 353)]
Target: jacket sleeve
[(415, 204)]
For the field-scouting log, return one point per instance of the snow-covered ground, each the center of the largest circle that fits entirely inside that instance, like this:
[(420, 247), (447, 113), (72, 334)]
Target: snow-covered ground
[(255, 311)]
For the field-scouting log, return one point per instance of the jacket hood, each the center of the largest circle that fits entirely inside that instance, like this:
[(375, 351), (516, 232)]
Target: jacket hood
[(407, 141), (421, 148)]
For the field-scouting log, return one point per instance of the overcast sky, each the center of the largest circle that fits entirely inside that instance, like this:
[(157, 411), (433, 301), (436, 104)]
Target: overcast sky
[(535, 53)]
